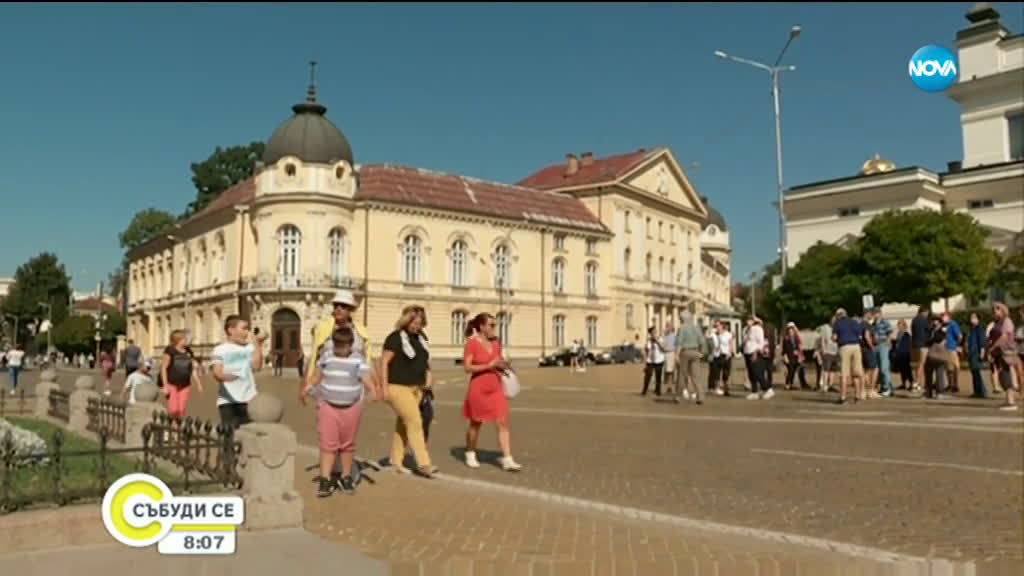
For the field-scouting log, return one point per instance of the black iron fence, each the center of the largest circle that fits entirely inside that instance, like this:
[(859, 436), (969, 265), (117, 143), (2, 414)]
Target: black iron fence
[(107, 414), (60, 405), (188, 456), (16, 402), (206, 454)]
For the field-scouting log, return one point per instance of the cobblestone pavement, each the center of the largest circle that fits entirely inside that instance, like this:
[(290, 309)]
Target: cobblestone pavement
[(938, 479)]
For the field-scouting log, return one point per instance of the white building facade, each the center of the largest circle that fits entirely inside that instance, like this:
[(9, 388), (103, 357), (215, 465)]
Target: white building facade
[(988, 183)]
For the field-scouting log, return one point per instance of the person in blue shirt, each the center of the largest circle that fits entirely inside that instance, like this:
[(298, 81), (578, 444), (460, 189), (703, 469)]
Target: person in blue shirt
[(883, 344), (847, 334), (953, 338), (975, 343)]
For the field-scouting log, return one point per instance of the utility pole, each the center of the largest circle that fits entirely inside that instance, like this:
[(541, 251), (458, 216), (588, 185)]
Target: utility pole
[(99, 321)]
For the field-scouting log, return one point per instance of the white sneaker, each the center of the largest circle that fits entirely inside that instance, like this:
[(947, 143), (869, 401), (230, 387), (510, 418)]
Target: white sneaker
[(753, 396), (686, 394), (719, 392), (768, 395), (471, 460), (510, 465), (1008, 408)]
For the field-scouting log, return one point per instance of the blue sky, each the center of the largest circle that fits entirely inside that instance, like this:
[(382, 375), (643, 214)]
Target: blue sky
[(104, 108)]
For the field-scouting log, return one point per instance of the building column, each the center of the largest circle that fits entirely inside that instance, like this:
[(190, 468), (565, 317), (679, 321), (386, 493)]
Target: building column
[(650, 315)]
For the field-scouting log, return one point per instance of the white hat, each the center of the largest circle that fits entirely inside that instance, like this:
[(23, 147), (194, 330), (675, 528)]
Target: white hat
[(147, 364), (344, 297)]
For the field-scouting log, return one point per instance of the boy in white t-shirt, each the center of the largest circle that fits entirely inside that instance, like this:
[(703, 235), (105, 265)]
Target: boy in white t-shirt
[(139, 376), (14, 359), (235, 363)]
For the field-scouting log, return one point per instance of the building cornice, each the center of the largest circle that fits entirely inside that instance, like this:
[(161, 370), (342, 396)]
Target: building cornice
[(471, 218), (861, 182)]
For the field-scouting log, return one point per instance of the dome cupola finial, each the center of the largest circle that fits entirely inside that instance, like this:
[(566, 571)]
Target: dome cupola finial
[(310, 106)]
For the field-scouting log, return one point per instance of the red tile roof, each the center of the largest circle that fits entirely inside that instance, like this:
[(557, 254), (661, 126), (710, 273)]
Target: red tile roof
[(600, 171), (91, 304), (242, 193), (426, 189)]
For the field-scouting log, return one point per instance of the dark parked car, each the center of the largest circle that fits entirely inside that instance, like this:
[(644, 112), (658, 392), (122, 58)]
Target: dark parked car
[(563, 357), (621, 354)]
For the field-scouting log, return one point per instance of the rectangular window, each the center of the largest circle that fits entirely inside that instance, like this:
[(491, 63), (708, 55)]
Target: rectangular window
[(647, 227), (626, 218), (847, 212), (978, 204), (672, 234), (661, 235), (591, 247), (1015, 125), (560, 242)]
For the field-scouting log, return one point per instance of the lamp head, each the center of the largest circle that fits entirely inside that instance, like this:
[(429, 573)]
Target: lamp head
[(794, 32), (720, 54)]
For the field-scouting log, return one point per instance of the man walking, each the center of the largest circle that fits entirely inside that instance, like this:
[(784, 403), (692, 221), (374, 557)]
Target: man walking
[(132, 358), (690, 342), (828, 353), (953, 338), (668, 342), (847, 333), (883, 344)]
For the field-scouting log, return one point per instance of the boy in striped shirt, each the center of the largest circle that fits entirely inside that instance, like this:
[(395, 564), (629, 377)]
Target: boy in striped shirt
[(341, 378)]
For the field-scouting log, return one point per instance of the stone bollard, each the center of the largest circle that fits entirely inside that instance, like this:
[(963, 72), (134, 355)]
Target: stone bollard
[(267, 467), (78, 403), (47, 382), (137, 415)]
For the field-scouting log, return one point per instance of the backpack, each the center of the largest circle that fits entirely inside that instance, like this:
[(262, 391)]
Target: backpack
[(180, 370)]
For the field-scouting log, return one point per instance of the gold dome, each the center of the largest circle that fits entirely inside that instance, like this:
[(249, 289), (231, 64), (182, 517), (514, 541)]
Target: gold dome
[(877, 165)]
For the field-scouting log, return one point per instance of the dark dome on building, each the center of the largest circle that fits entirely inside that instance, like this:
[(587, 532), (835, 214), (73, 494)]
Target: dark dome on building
[(309, 136), (714, 216)]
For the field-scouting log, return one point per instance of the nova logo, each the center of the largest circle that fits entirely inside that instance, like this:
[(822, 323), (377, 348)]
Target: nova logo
[(933, 68)]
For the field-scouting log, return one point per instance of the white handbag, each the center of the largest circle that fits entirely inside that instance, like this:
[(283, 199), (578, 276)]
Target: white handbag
[(510, 383)]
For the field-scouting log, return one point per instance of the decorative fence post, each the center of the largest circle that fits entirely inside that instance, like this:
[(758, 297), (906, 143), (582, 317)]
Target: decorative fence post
[(47, 382), (79, 404), (137, 415), (267, 466)]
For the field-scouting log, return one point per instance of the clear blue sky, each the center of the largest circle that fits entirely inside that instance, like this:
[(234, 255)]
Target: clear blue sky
[(103, 108)]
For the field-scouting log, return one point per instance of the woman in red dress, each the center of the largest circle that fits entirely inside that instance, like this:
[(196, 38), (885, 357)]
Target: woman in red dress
[(485, 399)]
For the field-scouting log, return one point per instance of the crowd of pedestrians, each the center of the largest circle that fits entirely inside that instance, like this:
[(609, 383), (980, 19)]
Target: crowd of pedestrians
[(858, 355)]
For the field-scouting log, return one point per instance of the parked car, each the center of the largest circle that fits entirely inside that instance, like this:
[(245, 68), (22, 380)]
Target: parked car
[(563, 357), (621, 354)]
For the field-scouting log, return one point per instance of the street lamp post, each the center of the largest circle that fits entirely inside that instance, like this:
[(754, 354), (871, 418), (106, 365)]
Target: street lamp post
[(774, 71)]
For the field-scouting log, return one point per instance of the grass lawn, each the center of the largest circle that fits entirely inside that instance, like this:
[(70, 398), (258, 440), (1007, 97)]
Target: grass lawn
[(80, 476)]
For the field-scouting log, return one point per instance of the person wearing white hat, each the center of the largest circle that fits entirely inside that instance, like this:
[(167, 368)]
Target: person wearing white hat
[(344, 305)]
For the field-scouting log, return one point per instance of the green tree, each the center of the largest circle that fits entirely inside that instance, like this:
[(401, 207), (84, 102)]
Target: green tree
[(222, 170), (1011, 270), (75, 335), (920, 256), (145, 226), (825, 278), (42, 279)]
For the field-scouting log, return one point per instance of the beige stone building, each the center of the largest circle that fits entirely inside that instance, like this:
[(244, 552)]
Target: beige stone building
[(590, 249)]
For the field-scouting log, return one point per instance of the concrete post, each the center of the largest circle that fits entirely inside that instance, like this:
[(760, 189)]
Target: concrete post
[(267, 467), (78, 404), (137, 415), (47, 382)]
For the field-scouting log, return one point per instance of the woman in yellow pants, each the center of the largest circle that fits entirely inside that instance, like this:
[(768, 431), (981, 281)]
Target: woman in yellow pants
[(405, 376)]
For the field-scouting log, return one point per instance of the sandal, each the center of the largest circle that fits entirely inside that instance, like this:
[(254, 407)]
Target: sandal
[(428, 471)]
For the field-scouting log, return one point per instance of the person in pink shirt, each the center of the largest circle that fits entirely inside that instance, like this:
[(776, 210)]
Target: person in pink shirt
[(1002, 349)]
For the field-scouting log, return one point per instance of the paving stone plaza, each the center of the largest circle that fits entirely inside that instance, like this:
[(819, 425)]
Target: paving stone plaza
[(618, 484)]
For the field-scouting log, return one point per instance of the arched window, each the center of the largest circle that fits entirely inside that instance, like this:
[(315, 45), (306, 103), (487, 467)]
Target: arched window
[(590, 278), (412, 259), (502, 267), (458, 335), (626, 261), (558, 329), (672, 272), (647, 266), (458, 263), (503, 321), (289, 242), (629, 317), (661, 268), (689, 275), (558, 276), (336, 254), (591, 331)]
